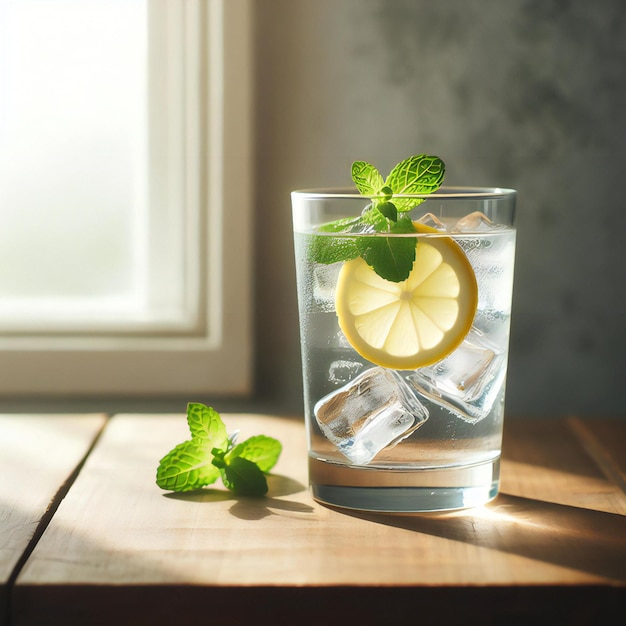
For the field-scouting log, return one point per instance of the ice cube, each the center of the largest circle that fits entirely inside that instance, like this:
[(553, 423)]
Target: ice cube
[(493, 323), (342, 371), (490, 249), (476, 222), (468, 381), (324, 281), (341, 341), (376, 410), (433, 221)]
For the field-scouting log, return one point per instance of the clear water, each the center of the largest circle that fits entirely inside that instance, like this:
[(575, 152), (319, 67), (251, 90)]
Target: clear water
[(450, 459)]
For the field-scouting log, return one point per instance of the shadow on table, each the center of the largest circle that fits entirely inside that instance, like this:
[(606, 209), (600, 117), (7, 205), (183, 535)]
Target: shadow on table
[(572, 537), (251, 508)]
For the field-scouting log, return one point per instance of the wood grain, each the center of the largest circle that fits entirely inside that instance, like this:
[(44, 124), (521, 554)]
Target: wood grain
[(38, 453), (119, 550)]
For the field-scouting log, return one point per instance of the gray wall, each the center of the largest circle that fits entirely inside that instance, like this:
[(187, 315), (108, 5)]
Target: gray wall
[(529, 94)]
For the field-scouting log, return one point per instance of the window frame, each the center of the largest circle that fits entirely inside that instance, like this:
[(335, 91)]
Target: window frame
[(211, 352)]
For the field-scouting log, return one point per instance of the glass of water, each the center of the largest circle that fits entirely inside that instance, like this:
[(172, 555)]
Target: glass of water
[(404, 378)]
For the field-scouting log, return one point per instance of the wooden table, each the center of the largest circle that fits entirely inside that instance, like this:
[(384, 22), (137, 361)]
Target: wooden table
[(87, 538)]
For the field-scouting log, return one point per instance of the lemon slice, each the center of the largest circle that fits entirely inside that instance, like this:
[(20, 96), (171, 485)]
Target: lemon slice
[(415, 322)]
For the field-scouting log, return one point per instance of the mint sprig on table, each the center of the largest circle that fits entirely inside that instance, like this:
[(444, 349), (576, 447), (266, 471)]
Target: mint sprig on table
[(211, 454), (390, 257)]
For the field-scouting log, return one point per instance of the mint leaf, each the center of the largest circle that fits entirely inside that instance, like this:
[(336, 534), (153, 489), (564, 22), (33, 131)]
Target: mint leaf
[(388, 191), (188, 466), (418, 174), (390, 257), (261, 450), (372, 218), (206, 424), (389, 210), (340, 226), (328, 250), (244, 477), (366, 178), (241, 475)]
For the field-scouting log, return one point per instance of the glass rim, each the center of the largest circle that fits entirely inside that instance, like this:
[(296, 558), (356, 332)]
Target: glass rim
[(444, 192)]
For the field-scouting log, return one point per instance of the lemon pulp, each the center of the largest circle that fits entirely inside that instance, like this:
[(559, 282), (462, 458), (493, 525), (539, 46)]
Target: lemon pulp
[(415, 322)]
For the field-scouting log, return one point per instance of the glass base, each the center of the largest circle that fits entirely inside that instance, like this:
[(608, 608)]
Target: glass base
[(403, 490)]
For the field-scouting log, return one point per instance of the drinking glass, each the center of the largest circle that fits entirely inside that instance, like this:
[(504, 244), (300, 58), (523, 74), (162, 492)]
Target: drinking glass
[(385, 434)]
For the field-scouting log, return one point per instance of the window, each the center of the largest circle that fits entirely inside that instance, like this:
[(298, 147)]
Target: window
[(124, 143)]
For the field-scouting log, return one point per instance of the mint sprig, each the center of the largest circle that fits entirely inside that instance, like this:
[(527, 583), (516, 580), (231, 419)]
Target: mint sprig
[(211, 453), (390, 257)]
